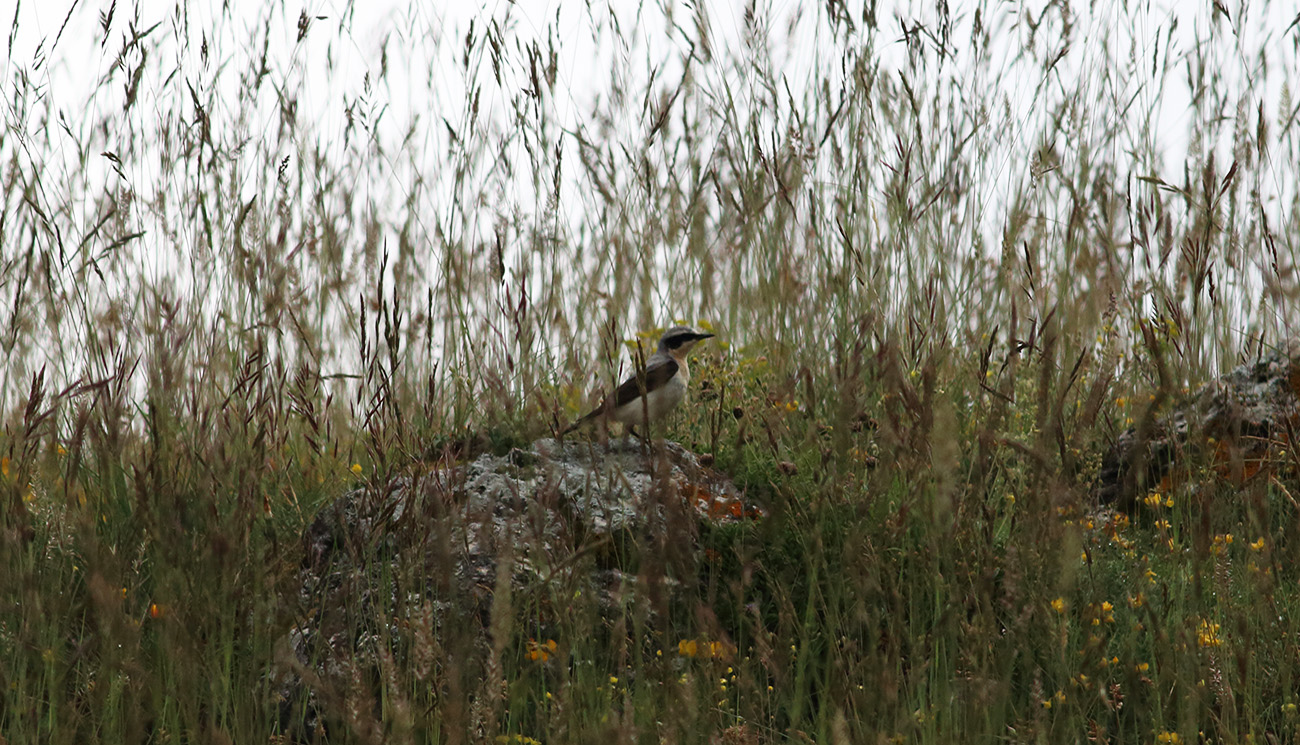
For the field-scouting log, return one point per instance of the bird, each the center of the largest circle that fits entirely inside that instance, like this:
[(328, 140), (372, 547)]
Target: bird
[(651, 393)]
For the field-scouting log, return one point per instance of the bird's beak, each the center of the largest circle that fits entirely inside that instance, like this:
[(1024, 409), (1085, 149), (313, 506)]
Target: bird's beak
[(701, 337)]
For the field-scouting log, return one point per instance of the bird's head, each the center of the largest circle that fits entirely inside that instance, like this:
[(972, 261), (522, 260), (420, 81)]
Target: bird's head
[(678, 340)]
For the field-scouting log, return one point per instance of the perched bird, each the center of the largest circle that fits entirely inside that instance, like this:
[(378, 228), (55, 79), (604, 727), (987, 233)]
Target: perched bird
[(650, 394)]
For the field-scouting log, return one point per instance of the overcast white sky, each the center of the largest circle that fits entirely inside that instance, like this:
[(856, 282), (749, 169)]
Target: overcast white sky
[(432, 33), (435, 30)]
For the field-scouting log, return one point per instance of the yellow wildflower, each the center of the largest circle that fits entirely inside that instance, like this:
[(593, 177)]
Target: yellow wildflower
[(1207, 634)]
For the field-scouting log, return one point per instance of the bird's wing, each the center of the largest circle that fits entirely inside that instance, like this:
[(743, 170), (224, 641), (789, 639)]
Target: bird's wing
[(651, 378), (648, 380)]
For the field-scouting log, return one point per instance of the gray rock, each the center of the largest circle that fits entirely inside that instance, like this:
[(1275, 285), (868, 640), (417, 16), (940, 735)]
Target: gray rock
[(560, 518), (1229, 425)]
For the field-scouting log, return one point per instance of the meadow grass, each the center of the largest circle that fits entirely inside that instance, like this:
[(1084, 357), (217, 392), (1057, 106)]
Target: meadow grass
[(936, 302)]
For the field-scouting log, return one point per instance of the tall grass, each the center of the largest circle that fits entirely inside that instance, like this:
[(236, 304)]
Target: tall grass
[(948, 257)]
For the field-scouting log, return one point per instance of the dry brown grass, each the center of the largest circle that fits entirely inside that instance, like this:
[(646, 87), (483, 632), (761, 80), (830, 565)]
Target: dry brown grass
[(938, 303)]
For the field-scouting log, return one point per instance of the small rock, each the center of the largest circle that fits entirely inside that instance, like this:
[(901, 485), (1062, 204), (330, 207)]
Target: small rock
[(1231, 424)]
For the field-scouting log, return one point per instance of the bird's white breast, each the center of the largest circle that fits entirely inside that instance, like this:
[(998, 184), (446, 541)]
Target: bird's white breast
[(658, 403)]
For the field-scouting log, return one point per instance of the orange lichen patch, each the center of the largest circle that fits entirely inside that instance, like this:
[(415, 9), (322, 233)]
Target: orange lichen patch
[(1166, 485), (541, 651), (1281, 439), (718, 506), (1252, 455)]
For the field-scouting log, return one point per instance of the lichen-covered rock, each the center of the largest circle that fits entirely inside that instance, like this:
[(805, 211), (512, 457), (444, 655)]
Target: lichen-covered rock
[(1236, 425), (439, 547), (530, 499)]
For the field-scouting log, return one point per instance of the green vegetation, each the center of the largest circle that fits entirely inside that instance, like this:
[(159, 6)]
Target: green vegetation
[(938, 296)]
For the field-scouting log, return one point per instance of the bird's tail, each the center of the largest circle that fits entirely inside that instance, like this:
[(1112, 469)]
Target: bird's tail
[(581, 421)]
